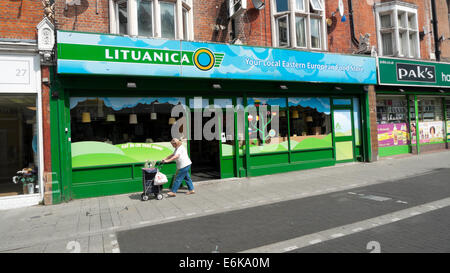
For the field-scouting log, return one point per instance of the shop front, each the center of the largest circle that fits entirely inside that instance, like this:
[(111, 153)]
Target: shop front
[(412, 106), (240, 111), (20, 130)]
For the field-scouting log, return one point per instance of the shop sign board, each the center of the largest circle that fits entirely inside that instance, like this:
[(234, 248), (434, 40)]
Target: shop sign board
[(19, 73), (413, 73), (102, 54)]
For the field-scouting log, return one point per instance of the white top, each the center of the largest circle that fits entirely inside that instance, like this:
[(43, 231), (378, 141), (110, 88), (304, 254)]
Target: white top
[(183, 160)]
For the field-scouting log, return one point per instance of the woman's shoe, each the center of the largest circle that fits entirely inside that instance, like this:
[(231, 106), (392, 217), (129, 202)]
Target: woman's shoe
[(171, 194), (190, 192)]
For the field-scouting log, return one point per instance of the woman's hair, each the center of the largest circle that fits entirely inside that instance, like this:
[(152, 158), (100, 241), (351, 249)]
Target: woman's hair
[(432, 128)]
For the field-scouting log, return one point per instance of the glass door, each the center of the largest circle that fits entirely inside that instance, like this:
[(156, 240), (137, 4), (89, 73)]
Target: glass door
[(231, 136), (343, 121)]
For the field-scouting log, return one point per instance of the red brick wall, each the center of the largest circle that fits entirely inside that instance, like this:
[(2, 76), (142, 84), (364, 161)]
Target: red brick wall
[(18, 19), (256, 30), (339, 38), (84, 17), (443, 28)]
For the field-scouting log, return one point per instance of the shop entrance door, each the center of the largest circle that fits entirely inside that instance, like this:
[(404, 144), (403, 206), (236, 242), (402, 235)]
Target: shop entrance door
[(214, 156), (344, 132), (203, 151)]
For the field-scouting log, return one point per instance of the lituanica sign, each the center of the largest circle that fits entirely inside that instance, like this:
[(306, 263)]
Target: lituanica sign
[(413, 73)]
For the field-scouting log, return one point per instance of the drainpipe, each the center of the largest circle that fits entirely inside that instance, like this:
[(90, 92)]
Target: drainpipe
[(352, 26), (437, 42)]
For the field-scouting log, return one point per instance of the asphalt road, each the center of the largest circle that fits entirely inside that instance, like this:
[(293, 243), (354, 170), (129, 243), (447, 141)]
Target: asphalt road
[(259, 226), (426, 233)]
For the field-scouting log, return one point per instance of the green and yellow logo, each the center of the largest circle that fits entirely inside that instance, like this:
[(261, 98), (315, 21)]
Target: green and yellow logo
[(203, 58)]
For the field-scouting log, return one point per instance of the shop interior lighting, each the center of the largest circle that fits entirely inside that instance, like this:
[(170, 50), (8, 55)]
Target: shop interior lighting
[(86, 117), (401, 90), (441, 91), (111, 118), (217, 86), (284, 87), (337, 88), (133, 119), (131, 84)]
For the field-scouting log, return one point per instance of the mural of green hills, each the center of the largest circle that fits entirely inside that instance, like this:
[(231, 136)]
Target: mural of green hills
[(92, 153)]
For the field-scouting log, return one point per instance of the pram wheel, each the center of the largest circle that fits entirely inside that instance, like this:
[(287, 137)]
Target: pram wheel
[(144, 197), (159, 196)]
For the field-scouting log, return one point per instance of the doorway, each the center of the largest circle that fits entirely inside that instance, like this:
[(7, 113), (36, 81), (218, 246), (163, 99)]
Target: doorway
[(204, 153), (346, 129), (18, 144)]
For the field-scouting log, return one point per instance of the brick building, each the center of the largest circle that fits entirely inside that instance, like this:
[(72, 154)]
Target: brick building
[(84, 103), (23, 105)]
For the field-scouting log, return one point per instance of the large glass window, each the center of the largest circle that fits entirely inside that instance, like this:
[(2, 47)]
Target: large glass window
[(431, 120), (266, 134), (310, 123), (145, 18), (173, 21), (18, 145), (392, 120), (299, 23), (113, 130), (398, 31), (167, 19)]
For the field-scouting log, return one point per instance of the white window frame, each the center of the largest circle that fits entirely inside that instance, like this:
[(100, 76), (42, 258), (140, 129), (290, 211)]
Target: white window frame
[(308, 12), (233, 3), (288, 29), (405, 10), (132, 8)]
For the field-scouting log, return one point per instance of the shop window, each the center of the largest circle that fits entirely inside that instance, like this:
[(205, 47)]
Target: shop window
[(170, 19), (397, 29), (227, 129), (310, 123), (392, 120), (431, 120), (18, 145), (117, 130), (299, 24), (267, 128)]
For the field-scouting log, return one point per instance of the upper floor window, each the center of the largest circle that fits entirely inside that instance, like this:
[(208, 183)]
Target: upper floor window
[(398, 30), (299, 24), (170, 19)]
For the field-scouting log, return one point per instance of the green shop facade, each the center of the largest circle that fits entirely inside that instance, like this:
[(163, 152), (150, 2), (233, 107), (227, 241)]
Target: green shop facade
[(117, 101), (413, 106)]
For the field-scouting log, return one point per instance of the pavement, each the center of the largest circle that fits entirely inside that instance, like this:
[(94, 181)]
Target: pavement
[(107, 224)]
